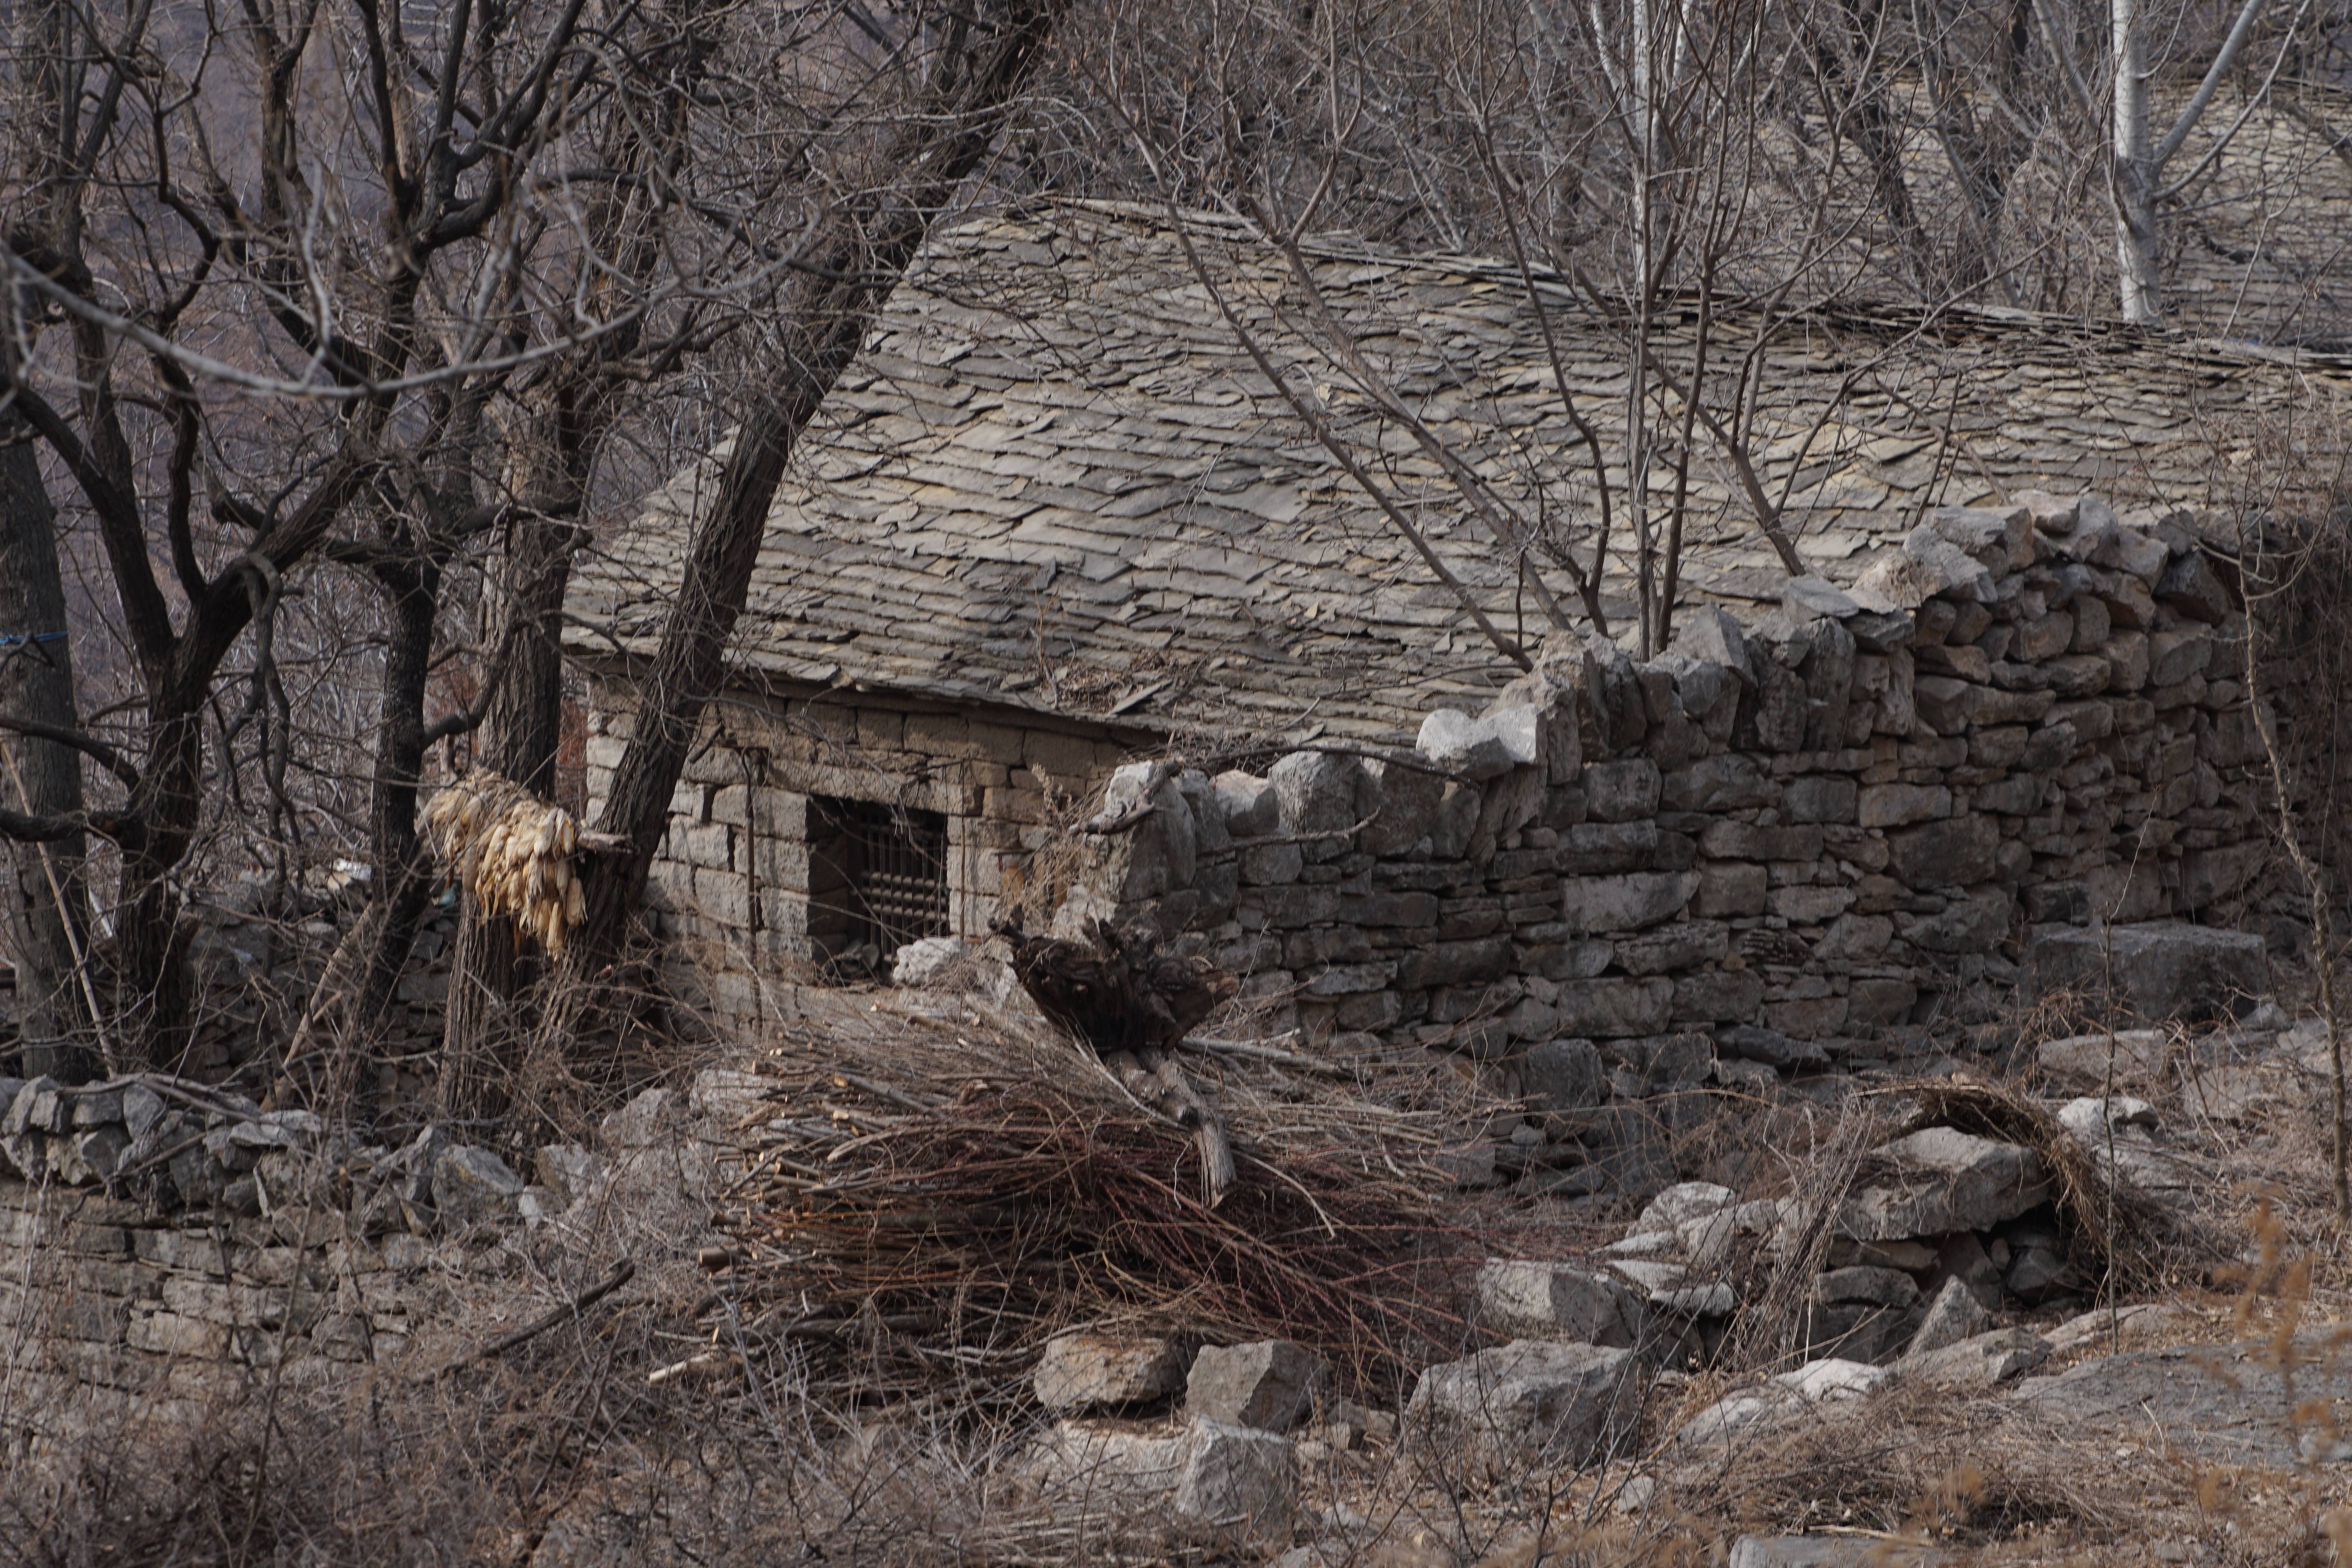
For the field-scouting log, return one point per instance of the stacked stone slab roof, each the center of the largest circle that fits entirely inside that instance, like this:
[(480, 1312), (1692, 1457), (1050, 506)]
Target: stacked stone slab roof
[(1056, 480)]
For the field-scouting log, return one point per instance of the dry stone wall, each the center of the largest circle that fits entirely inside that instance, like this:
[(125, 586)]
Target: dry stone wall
[(1775, 842)]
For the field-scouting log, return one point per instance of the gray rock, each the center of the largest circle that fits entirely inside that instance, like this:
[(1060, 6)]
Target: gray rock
[(1826, 1382), (1681, 1203), (1980, 1361), (1531, 1396), (1595, 905), (1770, 1047), (1563, 1076), (2189, 587), (1248, 802), (1957, 852), (1622, 791), (922, 962), (567, 1171), (1525, 1300), (1873, 1287), (1237, 1484), (1827, 1551), (1461, 745), (471, 1183), (1314, 793), (1940, 1180), (1088, 1370), (1710, 635), (1954, 1315), (1409, 796), (2138, 1056), (143, 1109), (1811, 596), (2161, 970), (1612, 1008), (1270, 1383), (2206, 1403)]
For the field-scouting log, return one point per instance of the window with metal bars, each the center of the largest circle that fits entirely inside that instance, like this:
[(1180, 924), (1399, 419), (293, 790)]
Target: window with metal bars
[(877, 880)]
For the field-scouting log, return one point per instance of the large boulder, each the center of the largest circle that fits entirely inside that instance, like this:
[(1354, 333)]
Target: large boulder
[(2162, 969)]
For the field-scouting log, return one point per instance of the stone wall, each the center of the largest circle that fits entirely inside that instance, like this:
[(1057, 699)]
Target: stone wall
[(1772, 842), (732, 877)]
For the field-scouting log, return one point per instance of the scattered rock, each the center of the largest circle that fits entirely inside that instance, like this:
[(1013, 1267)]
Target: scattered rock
[(1940, 1180), (1269, 1384), (1531, 1396), (2138, 1054), (1531, 1301), (1779, 1398), (1827, 1551), (1875, 1287), (471, 1183), (922, 962), (1980, 1361), (1954, 1315), (1682, 1203), (2138, 1327), (1236, 1484), (2214, 1405), (1087, 1369)]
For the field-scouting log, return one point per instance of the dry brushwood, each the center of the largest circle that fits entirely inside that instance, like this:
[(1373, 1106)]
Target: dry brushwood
[(511, 851), (1133, 1003), (942, 1195)]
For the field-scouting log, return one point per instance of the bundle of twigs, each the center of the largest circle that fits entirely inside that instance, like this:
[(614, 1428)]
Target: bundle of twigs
[(930, 1196)]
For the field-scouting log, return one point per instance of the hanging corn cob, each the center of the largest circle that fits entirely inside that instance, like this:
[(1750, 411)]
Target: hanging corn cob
[(513, 851)]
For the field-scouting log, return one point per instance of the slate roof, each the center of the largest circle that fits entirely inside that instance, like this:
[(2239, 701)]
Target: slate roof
[(1056, 480)]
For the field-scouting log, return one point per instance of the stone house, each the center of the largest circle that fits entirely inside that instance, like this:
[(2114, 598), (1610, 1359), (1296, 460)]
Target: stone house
[(1055, 520)]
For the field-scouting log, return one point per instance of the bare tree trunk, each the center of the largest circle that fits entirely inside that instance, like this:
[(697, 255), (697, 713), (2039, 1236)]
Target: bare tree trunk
[(2135, 171), (44, 908), (522, 735), (979, 69)]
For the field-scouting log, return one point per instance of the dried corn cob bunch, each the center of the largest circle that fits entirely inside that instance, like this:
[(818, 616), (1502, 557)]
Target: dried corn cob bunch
[(511, 851)]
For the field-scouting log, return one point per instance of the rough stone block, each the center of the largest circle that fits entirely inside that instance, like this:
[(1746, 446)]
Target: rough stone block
[(1670, 949), (1613, 1007), (1727, 783), (1901, 805), (1236, 1485), (1530, 1396), (1938, 1181), (1956, 852), (2161, 970), (1627, 903), (1954, 1315), (1563, 1076), (1821, 798), (1532, 1301), (2174, 656), (1087, 1370), (1622, 791), (1728, 890), (1270, 1385), (1718, 996)]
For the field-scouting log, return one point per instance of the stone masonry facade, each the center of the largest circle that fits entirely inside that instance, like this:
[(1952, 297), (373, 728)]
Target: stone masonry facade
[(1806, 827), (733, 878)]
